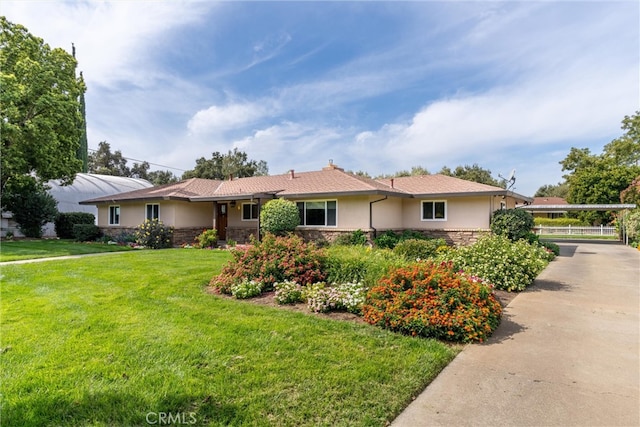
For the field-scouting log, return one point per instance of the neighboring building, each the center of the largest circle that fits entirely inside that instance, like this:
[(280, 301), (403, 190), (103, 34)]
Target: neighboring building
[(83, 187), (547, 207), (330, 202)]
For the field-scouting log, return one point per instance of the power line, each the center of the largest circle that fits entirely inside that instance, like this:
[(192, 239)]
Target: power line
[(154, 164)]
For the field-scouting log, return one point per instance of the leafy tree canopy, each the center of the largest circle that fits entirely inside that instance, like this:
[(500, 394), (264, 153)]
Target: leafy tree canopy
[(104, 162), (31, 205), (631, 194), (600, 179), (41, 120), (361, 173), (415, 171), (221, 166), (561, 189), (473, 173)]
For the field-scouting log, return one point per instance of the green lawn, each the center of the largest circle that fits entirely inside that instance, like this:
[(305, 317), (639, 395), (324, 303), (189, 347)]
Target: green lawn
[(15, 250), (123, 339)]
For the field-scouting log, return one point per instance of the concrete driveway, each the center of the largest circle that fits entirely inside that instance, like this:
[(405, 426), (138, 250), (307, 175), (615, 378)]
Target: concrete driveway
[(566, 353)]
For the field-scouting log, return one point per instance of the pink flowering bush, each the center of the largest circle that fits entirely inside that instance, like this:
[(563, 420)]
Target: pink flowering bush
[(272, 260)]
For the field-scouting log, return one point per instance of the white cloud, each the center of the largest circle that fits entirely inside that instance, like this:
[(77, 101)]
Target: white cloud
[(217, 119), (114, 40), (473, 82), (291, 145), (268, 48)]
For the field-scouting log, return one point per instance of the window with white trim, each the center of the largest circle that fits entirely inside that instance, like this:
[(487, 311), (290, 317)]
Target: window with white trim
[(114, 215), (152, 211), (434, 210), (250, 211), (321, 213)]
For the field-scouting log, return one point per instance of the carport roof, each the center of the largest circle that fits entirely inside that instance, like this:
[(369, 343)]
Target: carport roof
[(578, 207)]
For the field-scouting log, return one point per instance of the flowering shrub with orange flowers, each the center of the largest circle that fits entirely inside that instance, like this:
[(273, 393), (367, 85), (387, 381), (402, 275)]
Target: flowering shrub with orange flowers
[(433, 300)]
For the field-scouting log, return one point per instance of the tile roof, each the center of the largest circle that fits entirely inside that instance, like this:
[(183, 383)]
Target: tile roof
[(331, 181), (549, 201), (440, 185), (179, 190), (324, 182)]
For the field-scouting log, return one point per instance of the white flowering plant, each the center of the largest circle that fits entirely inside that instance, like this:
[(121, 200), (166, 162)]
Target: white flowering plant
[(247, 289), (288, 292), (510, 266), (322, 298)]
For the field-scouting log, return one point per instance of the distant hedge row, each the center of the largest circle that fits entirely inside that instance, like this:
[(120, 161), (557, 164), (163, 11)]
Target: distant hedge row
[(558, 222), (76, 225)]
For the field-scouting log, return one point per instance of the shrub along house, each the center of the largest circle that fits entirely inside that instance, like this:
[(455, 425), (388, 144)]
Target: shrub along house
[(330, 201)]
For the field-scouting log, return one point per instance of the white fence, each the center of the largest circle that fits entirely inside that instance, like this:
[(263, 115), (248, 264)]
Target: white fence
[(572, 230)]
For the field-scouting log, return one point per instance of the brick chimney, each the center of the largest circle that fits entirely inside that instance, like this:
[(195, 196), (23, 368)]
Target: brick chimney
[(292, 174)]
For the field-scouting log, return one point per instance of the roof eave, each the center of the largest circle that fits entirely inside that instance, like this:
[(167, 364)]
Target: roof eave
[(135, 199), (504, 193), (583, 207), (325, 194), (229, 197)]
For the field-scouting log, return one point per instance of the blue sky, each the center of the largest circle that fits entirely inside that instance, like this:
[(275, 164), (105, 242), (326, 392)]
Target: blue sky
[(374, 86)]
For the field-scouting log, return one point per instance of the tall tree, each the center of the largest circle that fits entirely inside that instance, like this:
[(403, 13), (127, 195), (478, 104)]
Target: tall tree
[(415, 171), (631, 194), (559, 190), (600, 179), (83, 150), (161, 177), (140, 170), (473, 173), (41, 119), (104, 162), (222, 166)]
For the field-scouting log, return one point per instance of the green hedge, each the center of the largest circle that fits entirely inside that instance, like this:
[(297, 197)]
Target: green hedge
[(515, 224), (86, 232), (65, 221), (558, 222)]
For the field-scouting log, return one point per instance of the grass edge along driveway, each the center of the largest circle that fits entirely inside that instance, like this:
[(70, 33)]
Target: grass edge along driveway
[(113, 341)]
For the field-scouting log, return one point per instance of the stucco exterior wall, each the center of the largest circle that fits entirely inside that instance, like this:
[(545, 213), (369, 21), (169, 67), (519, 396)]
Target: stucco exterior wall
[(353, 213), (387, 214), (234, 215), (131, 214), (184, 214), (461, 213), (174, 213)]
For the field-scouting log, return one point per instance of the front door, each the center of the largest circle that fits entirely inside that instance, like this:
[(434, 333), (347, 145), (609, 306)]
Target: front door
[(221, 222)]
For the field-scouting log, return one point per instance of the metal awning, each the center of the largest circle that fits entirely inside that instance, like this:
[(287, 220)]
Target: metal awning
[(577, 207)]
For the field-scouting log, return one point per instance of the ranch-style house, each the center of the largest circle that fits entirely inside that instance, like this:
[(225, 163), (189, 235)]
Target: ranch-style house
[(330, 201)]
